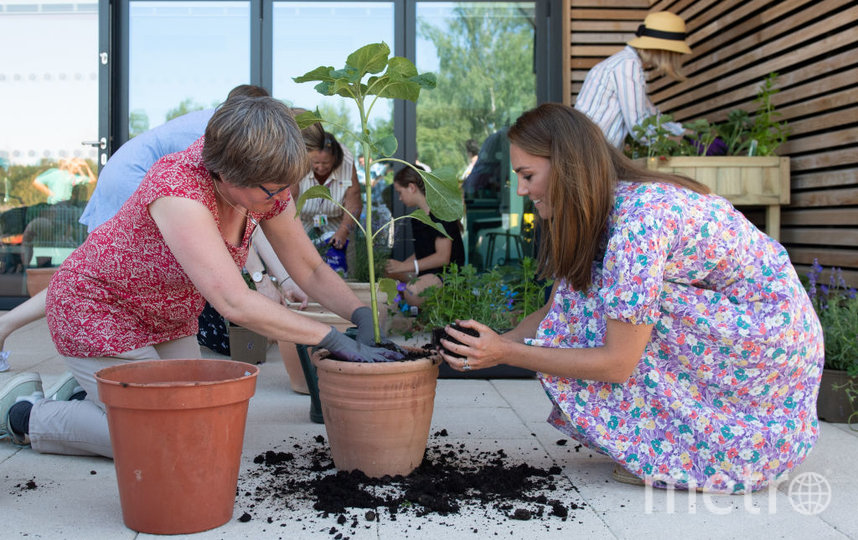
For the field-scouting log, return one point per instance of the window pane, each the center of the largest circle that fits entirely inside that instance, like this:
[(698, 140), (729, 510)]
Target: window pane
[(483, 54), (184, 56), (49, 84), (312, 34)]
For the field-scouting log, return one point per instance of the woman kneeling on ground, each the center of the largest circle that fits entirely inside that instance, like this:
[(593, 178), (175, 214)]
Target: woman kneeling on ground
[(678, 339), (134, 289)]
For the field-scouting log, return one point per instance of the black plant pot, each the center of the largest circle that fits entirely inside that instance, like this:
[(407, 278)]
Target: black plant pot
[(312, 378), (501, 371), (312, 383)]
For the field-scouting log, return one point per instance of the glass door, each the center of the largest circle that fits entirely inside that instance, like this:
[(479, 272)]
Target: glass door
[(49, 81), (483, 54), (184, 56), (311, 34)]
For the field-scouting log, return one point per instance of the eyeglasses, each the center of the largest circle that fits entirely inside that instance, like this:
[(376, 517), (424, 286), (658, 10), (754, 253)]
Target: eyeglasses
[(271, 194)]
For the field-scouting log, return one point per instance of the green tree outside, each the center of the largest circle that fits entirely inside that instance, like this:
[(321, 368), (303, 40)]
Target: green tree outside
[(485, 80)]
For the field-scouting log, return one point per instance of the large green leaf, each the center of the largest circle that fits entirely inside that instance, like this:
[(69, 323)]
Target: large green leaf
[(315, 192), (443, 194), (386, 146), (370, 58), (307, 119), (399, 89), (401, 68), (427, 81), (420, 215), (321, 73), (388, 286)]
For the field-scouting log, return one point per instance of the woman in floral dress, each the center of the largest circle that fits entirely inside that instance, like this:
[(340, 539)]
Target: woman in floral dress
[(678, 339)]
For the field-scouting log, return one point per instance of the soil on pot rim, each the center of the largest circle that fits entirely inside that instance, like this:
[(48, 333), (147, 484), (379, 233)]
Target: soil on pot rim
[(450, 480)]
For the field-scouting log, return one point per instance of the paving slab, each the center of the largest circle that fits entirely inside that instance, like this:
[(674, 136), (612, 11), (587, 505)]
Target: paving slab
[(46, 496)]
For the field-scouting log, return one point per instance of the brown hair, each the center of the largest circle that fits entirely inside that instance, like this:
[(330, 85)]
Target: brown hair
[(584, 172), (323, 141), (407, 175), (663, 62), (251, 141), (248, 90)]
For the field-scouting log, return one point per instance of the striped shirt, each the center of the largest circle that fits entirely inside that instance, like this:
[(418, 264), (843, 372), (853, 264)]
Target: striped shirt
[(614, 96), (337, 183)]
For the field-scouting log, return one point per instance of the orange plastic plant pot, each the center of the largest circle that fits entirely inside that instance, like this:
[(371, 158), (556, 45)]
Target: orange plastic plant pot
[(177, 430)]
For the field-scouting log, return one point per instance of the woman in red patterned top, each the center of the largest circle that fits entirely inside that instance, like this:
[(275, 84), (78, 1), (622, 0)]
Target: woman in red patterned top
[(134, 289)]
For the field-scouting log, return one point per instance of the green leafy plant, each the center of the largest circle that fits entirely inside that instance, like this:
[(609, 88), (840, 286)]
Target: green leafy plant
[(499, 298), (836, 305), (652, 138), (371, 73), (358, 267), (742, 134), (766, 134)]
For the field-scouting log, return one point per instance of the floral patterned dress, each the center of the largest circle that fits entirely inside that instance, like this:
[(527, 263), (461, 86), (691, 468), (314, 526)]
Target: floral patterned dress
[(724, 395)]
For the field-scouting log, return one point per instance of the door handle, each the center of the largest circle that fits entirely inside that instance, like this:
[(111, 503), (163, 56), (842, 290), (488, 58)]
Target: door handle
[(100, 143)]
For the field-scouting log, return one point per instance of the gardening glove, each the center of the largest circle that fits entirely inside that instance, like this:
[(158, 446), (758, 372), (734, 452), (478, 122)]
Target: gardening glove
[(362, 318), (345, 348)]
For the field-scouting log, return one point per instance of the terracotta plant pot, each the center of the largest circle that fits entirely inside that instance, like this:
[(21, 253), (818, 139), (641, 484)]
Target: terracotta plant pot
[(177, 429), (832, 404), (377, 416), (292, 363), (38, 279)]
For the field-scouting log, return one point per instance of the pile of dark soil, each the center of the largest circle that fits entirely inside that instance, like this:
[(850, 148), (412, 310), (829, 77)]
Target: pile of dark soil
[(450, 480)]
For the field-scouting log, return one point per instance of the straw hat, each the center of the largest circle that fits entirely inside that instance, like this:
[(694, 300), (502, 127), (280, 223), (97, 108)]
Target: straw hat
[(661, 30)]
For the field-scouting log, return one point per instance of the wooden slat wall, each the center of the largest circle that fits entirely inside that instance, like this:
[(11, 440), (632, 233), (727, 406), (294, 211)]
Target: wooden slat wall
[(811, 44)]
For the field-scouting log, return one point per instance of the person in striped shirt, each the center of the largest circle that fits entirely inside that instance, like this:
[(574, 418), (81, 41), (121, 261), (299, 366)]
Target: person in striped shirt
[(614, 92)]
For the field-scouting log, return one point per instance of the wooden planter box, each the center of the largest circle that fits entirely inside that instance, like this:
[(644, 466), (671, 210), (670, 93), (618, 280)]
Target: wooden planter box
[(744, 181)]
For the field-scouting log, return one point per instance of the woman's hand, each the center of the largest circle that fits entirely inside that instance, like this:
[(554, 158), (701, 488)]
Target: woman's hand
[(399, 269), (291, 292), (481, 352), (340, 237), (267, 288)]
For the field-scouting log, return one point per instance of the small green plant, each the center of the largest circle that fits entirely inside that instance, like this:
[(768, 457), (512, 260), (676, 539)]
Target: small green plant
[(499, 298), (836, 305), (652, 138), (766, 134), (358, 267), (371, 73), (741, 134)]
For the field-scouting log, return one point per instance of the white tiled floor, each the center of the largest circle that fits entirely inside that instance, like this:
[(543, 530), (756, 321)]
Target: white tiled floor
[(78, 498)]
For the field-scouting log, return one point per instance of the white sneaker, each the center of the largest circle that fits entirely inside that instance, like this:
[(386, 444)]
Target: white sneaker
[(4, 361), (64, 388), (22, 387)]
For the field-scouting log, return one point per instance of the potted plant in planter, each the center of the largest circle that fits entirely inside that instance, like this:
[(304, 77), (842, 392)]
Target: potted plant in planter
[(377, 416), (749, 172), (499, 298), (837, 308)]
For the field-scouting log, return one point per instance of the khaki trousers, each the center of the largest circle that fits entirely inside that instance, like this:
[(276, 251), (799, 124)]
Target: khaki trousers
[(79, 428)]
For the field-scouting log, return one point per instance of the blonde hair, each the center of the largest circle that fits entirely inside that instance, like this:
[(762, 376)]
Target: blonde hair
[(251, 141), (584, 173), (663, 62)]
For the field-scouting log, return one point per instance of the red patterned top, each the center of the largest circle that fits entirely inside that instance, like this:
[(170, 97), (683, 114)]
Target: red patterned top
[(123, 289)]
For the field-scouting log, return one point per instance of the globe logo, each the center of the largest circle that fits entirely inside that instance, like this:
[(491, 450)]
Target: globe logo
[(809, 493)]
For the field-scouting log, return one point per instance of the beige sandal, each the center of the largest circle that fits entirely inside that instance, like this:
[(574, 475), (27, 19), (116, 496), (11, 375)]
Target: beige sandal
[(621, 475)]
